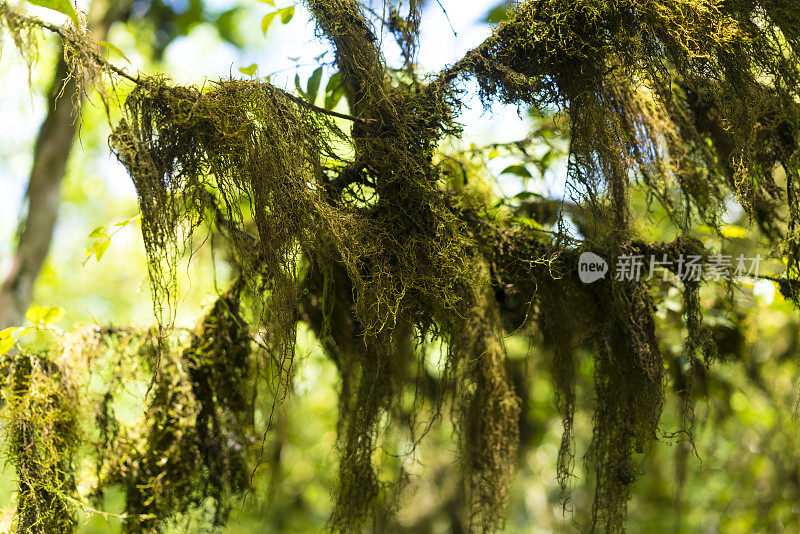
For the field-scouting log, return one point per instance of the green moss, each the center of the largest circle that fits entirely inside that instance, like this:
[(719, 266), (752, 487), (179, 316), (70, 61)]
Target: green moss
[(40, 417)]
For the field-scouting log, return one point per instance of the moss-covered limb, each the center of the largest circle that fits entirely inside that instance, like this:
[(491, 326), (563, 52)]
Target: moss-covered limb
[(406, 126), (85, 60), (536, 282), (87, 68), (364, 76), (417, 246), (40, 417), (357, 55), (646, 85)]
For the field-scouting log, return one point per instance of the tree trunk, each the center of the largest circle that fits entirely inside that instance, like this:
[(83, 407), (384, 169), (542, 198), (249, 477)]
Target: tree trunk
[(43, 195)]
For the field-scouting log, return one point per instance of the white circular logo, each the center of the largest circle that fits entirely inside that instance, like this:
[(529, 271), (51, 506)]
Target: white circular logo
[(591, 267)]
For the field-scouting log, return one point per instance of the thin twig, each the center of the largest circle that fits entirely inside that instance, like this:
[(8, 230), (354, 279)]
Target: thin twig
[(324, 111), (455, 33)]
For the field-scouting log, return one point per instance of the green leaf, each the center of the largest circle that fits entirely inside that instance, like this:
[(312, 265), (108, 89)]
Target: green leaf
[(519, 170), (705, 229), (527, 221), (114, 48), (332, 99), (100, 231), (286, 14), (62, 6), (227, 24), (526, 195), (267, 20), (129, 220), (547, 159), (8, 332), (249, 70), (100, 247), (270, 2), (53, 315), (334, 91), (732, 231), (334, 82), (43, 314), (297, 85), (313, 85), (498, 13), (6, 344), (35, 314), (7, 339)]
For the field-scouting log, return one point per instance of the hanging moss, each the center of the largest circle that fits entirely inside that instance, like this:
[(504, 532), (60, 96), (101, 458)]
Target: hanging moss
[(40, 416), (488, 414), (664, 92), (196, 448)]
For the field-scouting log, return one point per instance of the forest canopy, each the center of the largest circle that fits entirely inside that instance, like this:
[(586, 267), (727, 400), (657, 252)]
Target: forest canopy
[(360, 221)]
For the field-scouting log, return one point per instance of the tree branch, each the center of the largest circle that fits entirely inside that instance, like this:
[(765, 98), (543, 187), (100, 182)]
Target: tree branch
[(138, 80)]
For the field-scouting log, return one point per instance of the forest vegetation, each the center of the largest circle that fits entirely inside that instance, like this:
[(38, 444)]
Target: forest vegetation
[(468, 359)]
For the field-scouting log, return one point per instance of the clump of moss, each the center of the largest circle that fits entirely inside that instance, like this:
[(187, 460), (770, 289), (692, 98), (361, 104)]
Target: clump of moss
[(629, 386), (195, 449), (190, 152), (24, 31), (488, 411), (673, 95), (41, 421), (85, 66)]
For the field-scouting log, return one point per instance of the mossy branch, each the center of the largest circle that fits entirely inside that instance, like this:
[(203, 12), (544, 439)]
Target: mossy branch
[(84, 44)]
